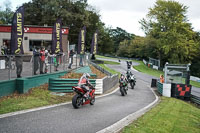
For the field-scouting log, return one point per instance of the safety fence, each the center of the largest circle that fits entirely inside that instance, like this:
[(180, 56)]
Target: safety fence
[(12, 66)]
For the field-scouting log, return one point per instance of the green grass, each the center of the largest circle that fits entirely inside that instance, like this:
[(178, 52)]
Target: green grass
[(144, 69), (109, 69), (38, 97), (170, 116), (194, 83), (99, 56), (110, 62)]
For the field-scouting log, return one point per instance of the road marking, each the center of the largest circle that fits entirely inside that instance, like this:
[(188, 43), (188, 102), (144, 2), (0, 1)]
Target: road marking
[(116, 127), (49, 106)]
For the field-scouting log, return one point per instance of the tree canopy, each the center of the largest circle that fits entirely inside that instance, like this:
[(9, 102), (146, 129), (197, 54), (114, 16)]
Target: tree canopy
[(6, 13), (167, 23)]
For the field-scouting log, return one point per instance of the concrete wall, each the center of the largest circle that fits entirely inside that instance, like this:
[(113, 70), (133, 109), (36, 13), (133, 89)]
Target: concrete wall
[(109, 82)]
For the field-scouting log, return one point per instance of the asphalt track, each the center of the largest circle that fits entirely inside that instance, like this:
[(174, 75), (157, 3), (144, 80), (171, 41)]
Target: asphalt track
[(88, 119)]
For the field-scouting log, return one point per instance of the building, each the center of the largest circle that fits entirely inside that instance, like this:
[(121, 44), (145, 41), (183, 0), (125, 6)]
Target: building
[(34, 36)]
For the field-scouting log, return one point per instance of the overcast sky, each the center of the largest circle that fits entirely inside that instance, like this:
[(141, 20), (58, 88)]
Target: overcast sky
[(126, 13)]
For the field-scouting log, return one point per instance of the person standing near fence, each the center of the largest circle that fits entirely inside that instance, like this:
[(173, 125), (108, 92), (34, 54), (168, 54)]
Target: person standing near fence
[(46, 61), (71, 54), (4, 51), (42, 59), (36, 55), (19, 65)]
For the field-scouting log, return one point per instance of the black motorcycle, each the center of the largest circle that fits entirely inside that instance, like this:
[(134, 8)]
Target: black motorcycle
[(131, 79), (123, 85)]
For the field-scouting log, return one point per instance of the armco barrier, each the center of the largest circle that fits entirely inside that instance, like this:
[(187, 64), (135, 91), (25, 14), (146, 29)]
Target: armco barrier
[(64, 85), (195, 99), (22, 85)]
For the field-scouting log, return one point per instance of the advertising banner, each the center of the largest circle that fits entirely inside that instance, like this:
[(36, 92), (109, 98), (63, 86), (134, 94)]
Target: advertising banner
[(17, 32), (81, 41), (94, 43), (56, 47)]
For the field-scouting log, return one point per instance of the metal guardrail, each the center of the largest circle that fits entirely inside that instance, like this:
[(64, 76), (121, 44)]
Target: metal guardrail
[(195, 99), (100, 68)]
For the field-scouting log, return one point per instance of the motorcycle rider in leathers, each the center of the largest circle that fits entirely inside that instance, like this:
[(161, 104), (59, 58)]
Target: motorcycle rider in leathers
[(85, 83)]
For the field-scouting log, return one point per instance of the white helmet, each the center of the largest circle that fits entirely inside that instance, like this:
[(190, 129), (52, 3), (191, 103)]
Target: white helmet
[(87, 75)]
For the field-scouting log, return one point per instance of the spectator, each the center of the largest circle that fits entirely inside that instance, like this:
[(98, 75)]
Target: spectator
[(19, 65), (36, 55), (161, 78), (4, 51), (42, 59), (47, 55), (71, 54)]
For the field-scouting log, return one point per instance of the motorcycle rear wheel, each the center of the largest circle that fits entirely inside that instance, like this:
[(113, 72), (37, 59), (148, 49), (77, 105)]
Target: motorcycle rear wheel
[(132, 85), (122, 91), (76, 101)]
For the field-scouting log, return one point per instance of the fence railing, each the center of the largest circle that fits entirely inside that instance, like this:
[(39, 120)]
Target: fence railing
[(100, 68), (12, 66)]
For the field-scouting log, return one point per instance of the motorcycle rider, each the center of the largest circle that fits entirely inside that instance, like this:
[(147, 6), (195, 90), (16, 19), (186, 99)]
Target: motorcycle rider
[(124, 78), (85, 83), (129, 63)]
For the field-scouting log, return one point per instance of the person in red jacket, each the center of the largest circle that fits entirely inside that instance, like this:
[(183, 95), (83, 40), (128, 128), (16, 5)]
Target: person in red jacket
[(42, 59)]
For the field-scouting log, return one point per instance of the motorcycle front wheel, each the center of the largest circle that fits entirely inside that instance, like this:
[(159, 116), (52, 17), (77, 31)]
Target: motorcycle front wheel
[(76, 101), (92, 101)]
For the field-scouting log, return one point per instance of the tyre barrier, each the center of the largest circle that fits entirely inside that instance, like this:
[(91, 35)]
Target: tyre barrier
[(65, 85)]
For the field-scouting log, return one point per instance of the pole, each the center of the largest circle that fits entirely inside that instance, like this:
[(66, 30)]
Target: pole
[(33, 65), (9, 72)]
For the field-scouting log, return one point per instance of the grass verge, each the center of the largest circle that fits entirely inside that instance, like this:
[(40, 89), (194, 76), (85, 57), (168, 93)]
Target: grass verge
[(170, 116), (109, 69), (110, 62), (144, 69), (37, 97)]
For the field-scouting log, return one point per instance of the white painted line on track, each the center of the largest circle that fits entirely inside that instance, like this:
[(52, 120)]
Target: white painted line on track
[(47, 107), (116, 127)]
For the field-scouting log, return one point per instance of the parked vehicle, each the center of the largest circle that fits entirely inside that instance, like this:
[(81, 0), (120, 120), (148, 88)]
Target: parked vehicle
[(79, 99), (123, 85)]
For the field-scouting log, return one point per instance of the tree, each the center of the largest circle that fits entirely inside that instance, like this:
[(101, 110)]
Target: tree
[(74, 13), (167, 23), (6, 14), (119, 35)]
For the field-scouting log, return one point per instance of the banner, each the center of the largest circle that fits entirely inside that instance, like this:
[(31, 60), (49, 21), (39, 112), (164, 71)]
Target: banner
[(81, 41), (17, 32), (56, 47), (94, 43)]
